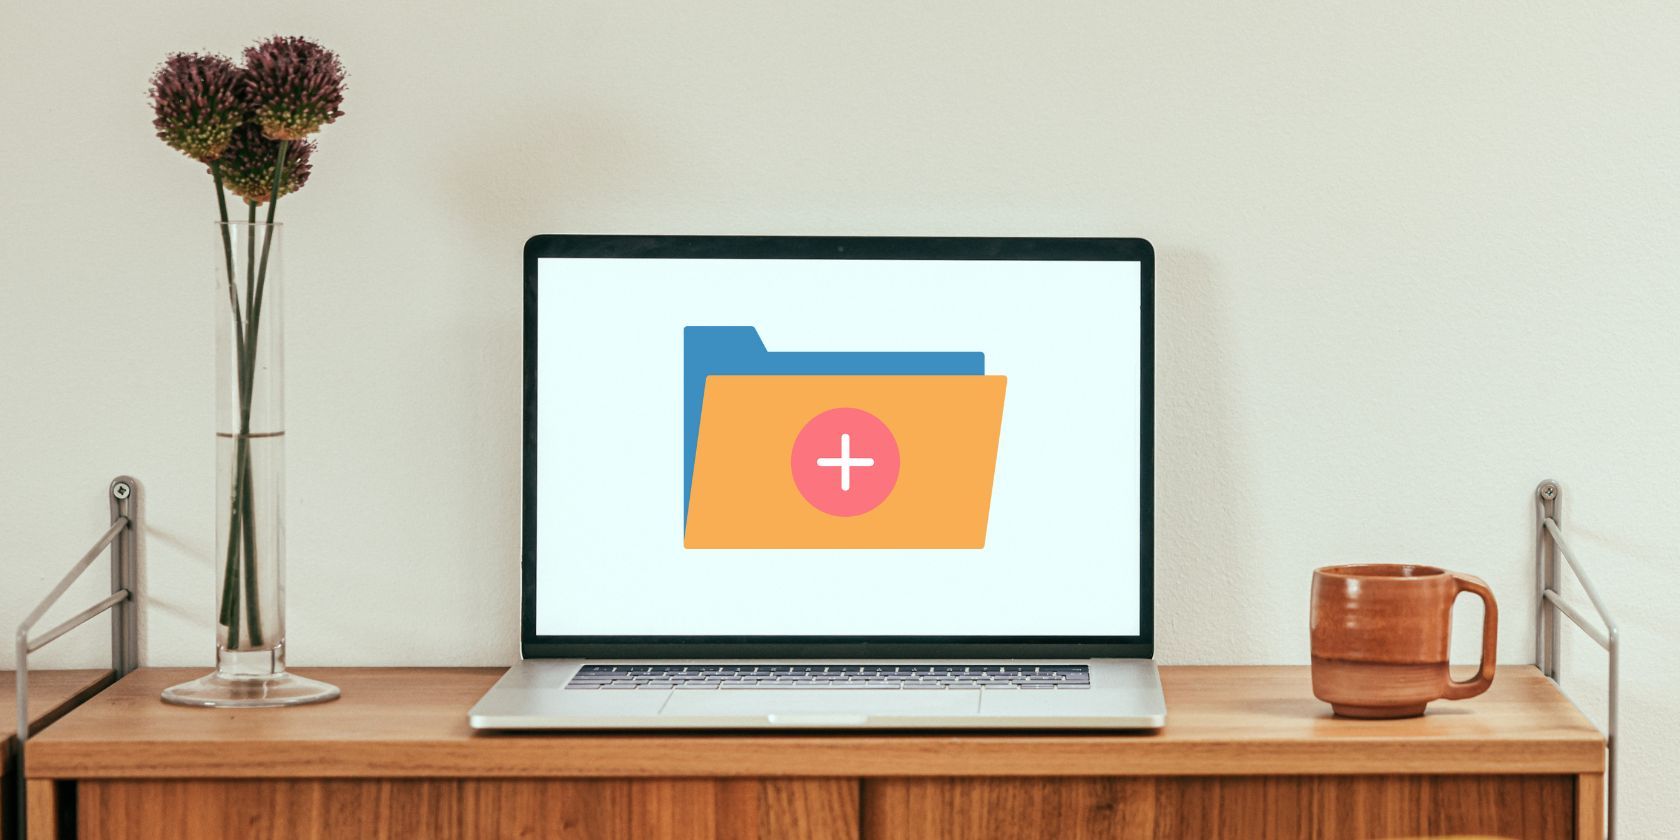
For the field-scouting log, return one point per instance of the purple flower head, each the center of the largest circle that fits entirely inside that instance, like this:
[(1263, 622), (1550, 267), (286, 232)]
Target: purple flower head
[(248, 165), (294, 86), (199, 100)]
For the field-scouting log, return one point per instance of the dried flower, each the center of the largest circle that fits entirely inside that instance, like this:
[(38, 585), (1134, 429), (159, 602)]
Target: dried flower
[(248, 165), (294, 86), (199, 100)]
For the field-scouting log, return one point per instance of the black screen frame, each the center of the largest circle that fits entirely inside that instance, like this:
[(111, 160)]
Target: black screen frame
[(534, 646)]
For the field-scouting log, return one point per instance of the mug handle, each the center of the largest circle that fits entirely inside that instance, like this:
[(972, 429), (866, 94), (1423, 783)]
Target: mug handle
[(1461, 689)]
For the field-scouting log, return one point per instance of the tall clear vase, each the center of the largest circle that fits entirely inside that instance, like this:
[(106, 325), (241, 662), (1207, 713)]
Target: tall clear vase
[(250, 555)]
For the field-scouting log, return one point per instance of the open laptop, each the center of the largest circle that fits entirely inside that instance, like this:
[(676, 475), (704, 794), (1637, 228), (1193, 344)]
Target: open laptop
[(822, 482)]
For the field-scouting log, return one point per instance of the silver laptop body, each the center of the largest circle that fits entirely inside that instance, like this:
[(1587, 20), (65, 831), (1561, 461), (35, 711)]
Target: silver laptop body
[(1122, 694), (1023, 605)]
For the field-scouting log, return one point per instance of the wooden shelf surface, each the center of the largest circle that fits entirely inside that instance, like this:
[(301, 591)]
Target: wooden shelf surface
[(412, 723), (50, 693)]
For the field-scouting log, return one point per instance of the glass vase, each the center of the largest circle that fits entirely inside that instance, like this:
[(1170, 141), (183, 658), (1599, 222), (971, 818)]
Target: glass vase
[(250, 553)]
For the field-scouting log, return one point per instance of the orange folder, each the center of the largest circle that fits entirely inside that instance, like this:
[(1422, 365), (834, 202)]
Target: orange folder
[(744, 494)]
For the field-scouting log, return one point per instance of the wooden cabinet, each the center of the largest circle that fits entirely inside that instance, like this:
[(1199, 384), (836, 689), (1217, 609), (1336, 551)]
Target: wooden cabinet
[(51, 694), (1247, 753)]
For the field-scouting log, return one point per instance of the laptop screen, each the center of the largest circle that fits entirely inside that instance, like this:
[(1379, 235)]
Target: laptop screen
[(859, 448)]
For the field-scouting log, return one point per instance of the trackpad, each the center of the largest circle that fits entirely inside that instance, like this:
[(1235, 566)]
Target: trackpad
[(842, 705)]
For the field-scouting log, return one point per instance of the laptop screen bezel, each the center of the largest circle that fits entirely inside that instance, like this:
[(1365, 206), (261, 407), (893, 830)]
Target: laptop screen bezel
[(561, 246)]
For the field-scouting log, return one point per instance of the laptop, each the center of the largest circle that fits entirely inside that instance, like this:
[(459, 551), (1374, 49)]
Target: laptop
[(835, 483)]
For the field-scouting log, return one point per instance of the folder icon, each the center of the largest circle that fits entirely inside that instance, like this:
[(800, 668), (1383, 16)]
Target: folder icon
[(744, 409)]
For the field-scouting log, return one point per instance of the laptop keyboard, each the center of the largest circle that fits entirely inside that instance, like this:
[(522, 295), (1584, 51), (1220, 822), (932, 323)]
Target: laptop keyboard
[(919, 677)]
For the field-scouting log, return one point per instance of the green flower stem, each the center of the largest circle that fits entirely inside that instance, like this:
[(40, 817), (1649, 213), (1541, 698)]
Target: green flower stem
[(230, 578), (268, 233), (250, 262), (248, 361), (239, 511), (254, 298), (253, 620), (242, 511), (230, 611), (227, 251)]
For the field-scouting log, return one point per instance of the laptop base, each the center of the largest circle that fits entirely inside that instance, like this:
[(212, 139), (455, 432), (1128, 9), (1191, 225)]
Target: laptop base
[(1121, 694)]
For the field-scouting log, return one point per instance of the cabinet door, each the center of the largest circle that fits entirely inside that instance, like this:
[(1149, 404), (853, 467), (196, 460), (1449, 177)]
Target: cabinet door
[(1529, 807), (609, 809)]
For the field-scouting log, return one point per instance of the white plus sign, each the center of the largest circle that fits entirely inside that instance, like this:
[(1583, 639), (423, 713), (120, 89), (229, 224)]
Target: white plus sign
[(845, 462)]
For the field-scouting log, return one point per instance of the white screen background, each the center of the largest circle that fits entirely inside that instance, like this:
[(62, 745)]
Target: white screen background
[(1061, 554)]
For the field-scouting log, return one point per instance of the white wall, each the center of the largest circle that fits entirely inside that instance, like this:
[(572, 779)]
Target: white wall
[(1412, 259)]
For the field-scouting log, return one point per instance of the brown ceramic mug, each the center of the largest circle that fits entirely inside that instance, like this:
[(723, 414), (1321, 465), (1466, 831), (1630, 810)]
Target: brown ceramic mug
[(1380, 634)]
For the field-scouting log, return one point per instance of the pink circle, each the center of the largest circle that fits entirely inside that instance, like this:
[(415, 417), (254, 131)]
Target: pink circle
[(845, 462)]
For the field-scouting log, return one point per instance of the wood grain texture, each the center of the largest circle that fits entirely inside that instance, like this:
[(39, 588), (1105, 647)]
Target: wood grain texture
[(1589, 806), (51, 694), (43, 809), (607, 809), (407, 722), (1251, 807)]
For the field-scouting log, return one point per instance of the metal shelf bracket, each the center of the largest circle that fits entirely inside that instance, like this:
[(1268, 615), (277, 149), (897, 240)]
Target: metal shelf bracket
[(1549, 545), (122, 539)]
